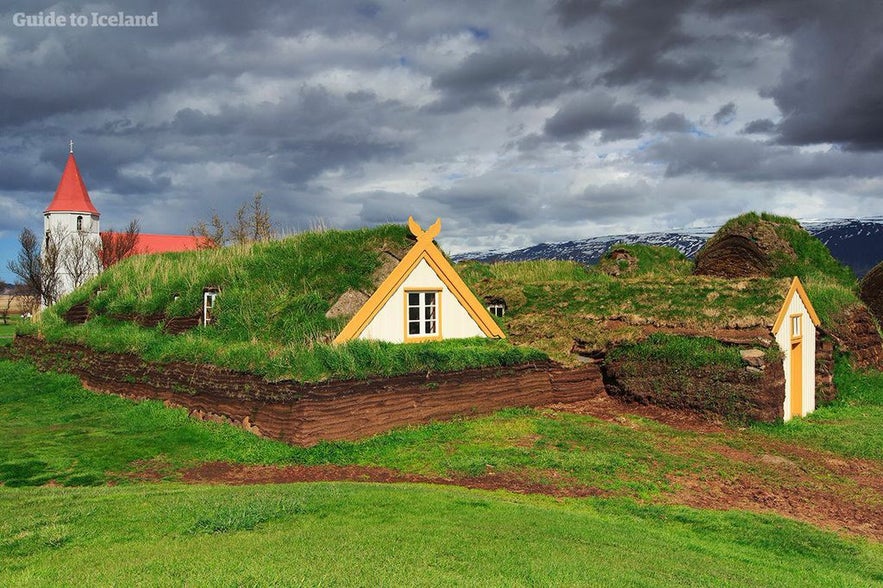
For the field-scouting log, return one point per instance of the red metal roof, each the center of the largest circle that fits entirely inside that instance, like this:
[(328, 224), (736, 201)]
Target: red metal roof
[(71, 195), (148, 243)]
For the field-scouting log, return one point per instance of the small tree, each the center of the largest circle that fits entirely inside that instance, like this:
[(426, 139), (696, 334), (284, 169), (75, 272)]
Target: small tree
[(213, 234), (114, 246), (40, 273), (252, 223), (79, 257)]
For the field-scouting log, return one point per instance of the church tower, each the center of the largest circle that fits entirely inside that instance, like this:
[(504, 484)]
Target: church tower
[(70, 227)]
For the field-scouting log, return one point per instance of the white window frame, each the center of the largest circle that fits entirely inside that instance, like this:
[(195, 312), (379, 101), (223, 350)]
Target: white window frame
[(796, 326), (493, 308), (428, 314), (209, 297)]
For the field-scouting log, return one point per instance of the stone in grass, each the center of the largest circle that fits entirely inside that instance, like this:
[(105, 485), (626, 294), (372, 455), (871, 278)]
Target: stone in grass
[(754, 358)]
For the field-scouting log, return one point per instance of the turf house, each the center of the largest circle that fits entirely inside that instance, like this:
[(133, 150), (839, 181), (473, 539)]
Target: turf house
[(341, 334)]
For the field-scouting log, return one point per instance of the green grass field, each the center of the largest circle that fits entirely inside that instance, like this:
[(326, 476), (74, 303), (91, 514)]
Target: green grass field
[(365, 534), (357, 534)]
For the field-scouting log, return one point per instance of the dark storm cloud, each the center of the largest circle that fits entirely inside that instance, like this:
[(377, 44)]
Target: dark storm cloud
[(744, 160), (831, 91), (644, 43), (759, 126), (725, 113), (672, 122), (495, 116), (597, 112), (532, 75)]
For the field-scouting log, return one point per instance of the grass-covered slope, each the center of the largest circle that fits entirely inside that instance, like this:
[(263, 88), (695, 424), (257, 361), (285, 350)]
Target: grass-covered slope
[(274, 291), (551, 303), (793, 251), (789, 251), (270, 315)]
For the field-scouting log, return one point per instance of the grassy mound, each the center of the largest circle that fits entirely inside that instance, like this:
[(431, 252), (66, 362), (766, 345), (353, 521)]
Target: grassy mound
[(604, 310), (551, 303), (270, 315), (276, 291), (785, 250), (644, 260)]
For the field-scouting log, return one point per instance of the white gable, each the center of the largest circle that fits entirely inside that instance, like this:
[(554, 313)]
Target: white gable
[(389, 324), (783, 338)]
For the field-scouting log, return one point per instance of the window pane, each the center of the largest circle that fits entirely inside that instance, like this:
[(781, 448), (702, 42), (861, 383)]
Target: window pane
[(430, 298), (430, 327), (413, 298), (413, 313), (429, 312), (414, 328)]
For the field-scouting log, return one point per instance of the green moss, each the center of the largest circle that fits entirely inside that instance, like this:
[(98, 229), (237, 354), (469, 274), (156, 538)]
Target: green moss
[(685, 352)]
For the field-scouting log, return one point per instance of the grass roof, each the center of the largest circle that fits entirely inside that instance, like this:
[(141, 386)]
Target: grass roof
[(578, 302), (270, 315), (552, 303)]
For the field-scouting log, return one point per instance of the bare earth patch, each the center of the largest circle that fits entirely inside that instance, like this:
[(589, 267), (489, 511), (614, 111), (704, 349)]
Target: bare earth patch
[(805, 503), (237, 474)]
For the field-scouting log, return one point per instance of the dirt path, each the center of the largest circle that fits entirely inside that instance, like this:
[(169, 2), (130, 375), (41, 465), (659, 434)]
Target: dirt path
[(240, 474)]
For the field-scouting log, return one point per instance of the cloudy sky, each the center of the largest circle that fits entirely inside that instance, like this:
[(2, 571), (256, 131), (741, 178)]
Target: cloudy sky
[(516, 122)]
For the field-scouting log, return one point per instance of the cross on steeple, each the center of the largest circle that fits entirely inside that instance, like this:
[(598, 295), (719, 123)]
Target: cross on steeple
[(72, 145)]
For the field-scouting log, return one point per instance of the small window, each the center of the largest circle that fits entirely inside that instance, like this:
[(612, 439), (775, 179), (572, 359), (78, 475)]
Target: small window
[(209, 302), (497, 309), (422, 314), (47, 240), (795, 326), (79, 223)]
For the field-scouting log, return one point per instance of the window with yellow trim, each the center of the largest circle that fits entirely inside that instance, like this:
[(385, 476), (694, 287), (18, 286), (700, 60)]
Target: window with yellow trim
[(795, 326), (422, 314)]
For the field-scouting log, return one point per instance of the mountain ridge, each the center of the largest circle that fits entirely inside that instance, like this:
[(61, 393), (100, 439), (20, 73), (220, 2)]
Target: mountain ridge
[(855, 242)]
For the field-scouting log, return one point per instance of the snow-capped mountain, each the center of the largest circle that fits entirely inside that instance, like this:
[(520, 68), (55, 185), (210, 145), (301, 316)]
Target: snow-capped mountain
[(857, 243)]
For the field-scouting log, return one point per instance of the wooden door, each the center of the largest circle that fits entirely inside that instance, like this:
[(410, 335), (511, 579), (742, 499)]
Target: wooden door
[(796, 378)]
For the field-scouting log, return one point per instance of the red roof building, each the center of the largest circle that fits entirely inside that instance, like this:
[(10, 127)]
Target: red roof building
[(151, 243)]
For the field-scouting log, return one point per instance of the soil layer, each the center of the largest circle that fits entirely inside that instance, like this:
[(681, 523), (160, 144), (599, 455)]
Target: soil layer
[(304, 414)]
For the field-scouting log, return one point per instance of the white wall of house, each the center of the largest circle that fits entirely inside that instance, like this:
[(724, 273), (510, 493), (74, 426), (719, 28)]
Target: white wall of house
[(783, 338), (63, 227), (390, 322)]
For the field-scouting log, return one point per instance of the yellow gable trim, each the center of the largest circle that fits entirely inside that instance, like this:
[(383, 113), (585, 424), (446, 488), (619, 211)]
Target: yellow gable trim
[(796, 287), (424, 249)]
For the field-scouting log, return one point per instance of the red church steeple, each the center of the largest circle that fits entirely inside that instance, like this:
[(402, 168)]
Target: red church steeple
[(71, 195)]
